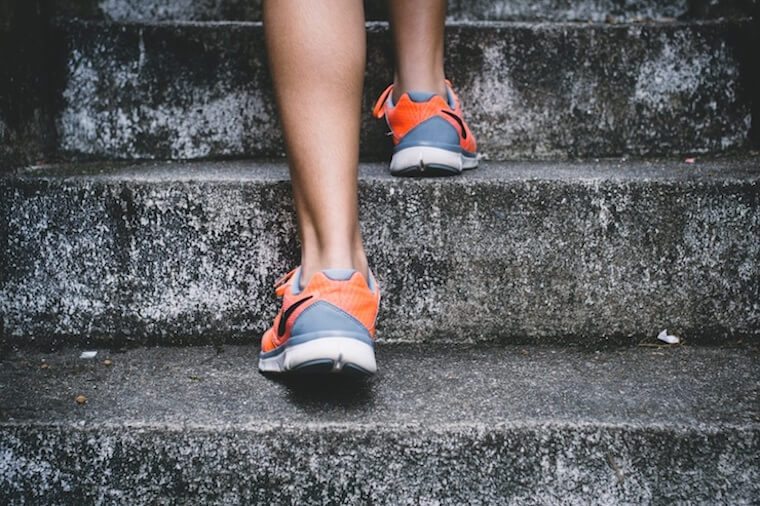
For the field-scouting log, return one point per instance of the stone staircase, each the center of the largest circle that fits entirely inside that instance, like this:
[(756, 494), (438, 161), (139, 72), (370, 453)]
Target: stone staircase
[(141, 212)]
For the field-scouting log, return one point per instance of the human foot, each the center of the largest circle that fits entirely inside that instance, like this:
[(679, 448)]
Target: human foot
[(327, 326), (430, 138)]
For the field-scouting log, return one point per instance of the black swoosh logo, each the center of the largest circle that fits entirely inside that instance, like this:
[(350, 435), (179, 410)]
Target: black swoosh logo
[(458, 120), (287, 313)]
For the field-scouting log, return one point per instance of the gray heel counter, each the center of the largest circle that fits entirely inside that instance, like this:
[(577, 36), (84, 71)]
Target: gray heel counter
[(434, 131), (323, 317)]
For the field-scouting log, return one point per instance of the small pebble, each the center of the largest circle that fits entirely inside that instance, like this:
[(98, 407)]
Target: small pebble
[(44, 365), (108, 362), (80, 399)]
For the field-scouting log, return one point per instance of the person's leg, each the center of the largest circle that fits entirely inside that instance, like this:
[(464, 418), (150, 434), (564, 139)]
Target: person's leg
[(418, 28), (317, 58), (329, 305), (430, 136)]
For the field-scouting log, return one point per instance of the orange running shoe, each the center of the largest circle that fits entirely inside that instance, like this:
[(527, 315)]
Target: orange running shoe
[(328, 326), (430, 138)]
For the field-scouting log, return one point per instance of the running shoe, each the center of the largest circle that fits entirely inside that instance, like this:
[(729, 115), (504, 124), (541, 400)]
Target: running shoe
[(327, 326), (430, 138)]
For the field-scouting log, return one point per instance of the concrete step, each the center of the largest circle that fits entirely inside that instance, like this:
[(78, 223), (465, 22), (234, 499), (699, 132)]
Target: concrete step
[(459, 10), (593, 252), (545, 90), (460, 425)]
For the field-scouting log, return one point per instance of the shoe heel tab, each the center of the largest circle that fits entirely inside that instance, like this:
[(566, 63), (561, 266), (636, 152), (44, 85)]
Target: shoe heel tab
[(348, 274), (339, 274), (420, 97)]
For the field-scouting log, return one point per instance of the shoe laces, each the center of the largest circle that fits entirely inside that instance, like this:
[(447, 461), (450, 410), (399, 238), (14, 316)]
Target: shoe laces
[(281, 285)]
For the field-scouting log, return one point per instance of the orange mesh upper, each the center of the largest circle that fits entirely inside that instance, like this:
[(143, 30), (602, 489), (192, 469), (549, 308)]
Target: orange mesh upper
[(352, 296), (406, 114)]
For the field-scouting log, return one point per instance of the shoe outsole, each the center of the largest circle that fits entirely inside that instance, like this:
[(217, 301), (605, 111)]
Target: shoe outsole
[(432, 170), (325, 355), (428, 161), (323, 367)]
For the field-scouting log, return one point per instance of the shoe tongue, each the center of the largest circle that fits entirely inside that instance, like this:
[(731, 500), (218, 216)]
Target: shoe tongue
[(339, 274), (420, 96)]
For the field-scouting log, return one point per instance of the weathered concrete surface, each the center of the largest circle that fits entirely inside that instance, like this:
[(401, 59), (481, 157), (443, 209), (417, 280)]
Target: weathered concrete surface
[(439, 425), (547, 10), (598, 10), (754, 80), (26, 121), (527, 252), (188, 90)]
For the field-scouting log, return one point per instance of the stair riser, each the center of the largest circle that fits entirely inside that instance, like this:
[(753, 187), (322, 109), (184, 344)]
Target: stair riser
[(587, 261), (550, 10), (530, 91), (496, 465)]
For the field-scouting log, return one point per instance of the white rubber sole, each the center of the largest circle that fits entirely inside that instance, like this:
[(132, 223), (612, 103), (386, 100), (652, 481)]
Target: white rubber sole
[(323, 355), (437, 161)]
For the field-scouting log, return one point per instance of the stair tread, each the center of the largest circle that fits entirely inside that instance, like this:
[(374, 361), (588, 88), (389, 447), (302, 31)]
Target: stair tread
[(384, 25), (435, 387), (599, 10), (743, 167)]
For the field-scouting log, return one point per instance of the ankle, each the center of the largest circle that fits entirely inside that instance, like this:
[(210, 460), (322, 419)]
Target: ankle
[(311, 264), (433, 85)]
